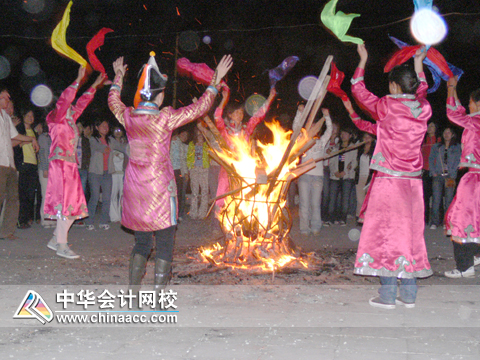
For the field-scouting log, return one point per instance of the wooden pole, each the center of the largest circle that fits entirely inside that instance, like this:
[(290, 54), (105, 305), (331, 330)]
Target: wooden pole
[(308, 107)]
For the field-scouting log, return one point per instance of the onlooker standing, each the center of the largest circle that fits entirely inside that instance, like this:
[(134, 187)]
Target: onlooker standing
[(444, 159), (310, 184), (120, 161), (342, 176), (178, 157), (329, 148), (198, 163), (9, 137), (83, 155), (213, 173), (44, 142), (100, 173), (430, 140), (363, 174), (27, 166)]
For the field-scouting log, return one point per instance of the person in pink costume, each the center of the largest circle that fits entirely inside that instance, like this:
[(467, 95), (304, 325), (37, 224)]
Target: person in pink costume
[(64, 198), (392, 243), (232, 125), (463, 215), (149, 200)]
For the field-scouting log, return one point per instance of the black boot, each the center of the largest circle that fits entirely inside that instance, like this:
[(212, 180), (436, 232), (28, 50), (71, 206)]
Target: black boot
[(137, 268), (163, 273)]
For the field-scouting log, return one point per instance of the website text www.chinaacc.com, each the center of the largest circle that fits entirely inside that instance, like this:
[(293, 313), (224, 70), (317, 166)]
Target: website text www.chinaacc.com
[(107, 318), (88, 307)]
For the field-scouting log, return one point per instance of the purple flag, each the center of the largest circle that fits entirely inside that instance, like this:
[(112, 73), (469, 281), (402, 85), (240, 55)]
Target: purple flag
[(281, 70)]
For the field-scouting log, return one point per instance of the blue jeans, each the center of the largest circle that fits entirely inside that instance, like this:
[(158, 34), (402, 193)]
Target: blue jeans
[(388, 291), (310, 193), (83, 178), (96, 182), (340, 191), (438, 187)]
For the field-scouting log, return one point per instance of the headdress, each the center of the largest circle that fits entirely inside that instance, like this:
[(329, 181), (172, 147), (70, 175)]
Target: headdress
[(151, 82)]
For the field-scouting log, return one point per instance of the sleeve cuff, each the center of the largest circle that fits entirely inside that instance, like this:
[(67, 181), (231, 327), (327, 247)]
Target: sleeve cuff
[(213, 89)]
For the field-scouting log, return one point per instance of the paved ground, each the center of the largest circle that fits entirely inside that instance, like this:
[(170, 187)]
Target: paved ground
[(259, 320)]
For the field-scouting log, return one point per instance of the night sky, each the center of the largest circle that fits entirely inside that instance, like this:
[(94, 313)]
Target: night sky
[(259, 35)]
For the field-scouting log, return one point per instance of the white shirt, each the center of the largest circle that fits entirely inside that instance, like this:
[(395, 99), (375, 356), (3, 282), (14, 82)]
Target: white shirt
[(318, 150), (7, 133), (364, 165)]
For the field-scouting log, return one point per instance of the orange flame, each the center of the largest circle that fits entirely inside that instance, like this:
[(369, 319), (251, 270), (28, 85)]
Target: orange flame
[(247, 217)]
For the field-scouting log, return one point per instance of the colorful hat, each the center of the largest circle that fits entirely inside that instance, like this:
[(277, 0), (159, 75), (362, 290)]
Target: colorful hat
[(151, 82)]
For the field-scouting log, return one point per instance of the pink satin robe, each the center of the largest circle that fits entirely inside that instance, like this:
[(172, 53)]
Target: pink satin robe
[(392, 241), (149, 192), (463, 215), (64, 196)]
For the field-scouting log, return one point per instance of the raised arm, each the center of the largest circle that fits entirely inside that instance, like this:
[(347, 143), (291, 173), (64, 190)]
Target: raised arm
[(191, 112), (361, 124), (328, 131), (65, 99), (218, 115), (418, 62), (260, 114), (115, 104), (456, 113), (365, 99), (87, 97)]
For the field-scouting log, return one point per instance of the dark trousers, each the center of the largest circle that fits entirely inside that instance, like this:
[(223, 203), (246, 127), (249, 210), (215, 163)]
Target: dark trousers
[(427, 193), (181, 189), (326, 193), (9, 194), (105, 183), (28, 188), (164, 240), (340, 191), (464, 254)]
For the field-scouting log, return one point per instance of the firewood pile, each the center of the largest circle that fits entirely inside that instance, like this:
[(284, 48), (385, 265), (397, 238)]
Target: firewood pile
[(254, 219)]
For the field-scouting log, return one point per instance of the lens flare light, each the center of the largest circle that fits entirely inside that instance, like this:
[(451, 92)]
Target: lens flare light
[(428, 27), (41, 95)]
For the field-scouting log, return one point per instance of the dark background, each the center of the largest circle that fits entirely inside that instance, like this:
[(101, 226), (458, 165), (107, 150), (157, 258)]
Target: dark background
[(259, 34)]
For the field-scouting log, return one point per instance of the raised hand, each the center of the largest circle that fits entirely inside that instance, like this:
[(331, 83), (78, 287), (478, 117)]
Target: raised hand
[(223, 67), (100, 79), (362, 51), (119, 67), (453, 81), (421, 53), (81, 73)]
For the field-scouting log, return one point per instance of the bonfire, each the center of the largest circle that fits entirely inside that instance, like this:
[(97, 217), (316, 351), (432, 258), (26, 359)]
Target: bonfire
[(254, 219)]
